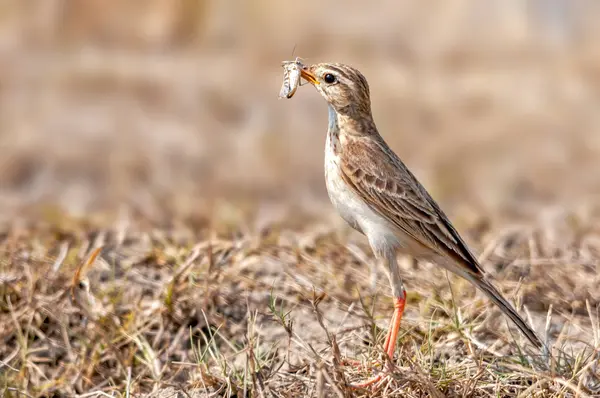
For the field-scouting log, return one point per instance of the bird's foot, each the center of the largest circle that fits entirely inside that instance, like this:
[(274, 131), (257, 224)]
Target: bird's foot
[(359, 364), (389, 346), (374, 382), (374, 366), (351, 362)]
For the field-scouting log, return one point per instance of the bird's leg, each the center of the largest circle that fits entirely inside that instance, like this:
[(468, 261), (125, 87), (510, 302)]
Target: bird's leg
[(399, 293), (399, 301), (390, 341), (388, 334), (354, 362)]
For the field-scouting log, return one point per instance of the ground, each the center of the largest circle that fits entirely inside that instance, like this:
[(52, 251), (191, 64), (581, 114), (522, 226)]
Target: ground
[(276, 309)]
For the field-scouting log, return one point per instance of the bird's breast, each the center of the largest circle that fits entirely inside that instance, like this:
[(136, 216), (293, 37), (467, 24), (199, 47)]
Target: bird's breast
[(351, 207), (343, 199)]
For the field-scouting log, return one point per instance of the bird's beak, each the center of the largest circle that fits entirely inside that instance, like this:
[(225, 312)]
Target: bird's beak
[(308, 76)]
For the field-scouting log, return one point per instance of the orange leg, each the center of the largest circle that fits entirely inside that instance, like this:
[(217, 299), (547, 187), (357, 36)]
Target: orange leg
[(392, 337), (388, 335), (354, 362), (389, 345)]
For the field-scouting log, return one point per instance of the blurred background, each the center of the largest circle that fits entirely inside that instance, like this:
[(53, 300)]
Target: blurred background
[(173, 103)]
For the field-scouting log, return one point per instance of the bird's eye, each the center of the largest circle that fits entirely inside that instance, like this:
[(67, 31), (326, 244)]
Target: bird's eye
[(329, 78)]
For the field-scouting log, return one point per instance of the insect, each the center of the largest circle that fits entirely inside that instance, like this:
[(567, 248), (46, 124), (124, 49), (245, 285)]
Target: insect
[(291, 78)]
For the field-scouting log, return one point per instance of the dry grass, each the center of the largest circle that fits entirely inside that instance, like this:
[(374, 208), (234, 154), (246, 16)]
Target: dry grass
[(272, 311), (223, 270)]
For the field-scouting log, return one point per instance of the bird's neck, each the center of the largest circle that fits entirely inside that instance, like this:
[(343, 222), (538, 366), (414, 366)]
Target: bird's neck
[(350, 122), (333, 121)]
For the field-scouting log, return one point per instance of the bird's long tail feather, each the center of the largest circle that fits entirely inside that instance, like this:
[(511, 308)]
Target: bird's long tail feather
[(507, 308)]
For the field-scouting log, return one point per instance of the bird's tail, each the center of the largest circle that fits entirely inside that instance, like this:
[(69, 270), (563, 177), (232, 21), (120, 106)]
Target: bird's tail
[(507, 308)]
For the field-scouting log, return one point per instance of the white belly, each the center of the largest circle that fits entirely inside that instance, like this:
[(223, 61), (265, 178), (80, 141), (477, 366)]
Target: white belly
[(351, 207)]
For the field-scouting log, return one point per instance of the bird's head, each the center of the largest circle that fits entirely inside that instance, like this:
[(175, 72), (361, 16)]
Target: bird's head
[(343, 87)]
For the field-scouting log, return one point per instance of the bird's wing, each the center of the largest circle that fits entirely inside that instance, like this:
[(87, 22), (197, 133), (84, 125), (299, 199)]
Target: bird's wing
[(378, 176)]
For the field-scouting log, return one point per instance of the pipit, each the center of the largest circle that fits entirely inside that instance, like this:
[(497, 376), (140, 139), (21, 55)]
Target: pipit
[(81, 294), (377, 195)]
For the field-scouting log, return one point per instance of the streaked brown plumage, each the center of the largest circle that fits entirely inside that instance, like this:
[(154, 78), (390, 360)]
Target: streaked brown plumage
[(376, 194)]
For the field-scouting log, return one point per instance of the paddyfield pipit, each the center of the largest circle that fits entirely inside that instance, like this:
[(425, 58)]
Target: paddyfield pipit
[(81, 294), (377, 195)]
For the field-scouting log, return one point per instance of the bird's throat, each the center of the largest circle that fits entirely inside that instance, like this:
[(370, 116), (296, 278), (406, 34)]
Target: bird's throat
[(333, 132), (333, 121)]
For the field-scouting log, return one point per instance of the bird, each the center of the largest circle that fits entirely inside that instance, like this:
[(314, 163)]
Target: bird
[(377, 195), (81, 294)]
